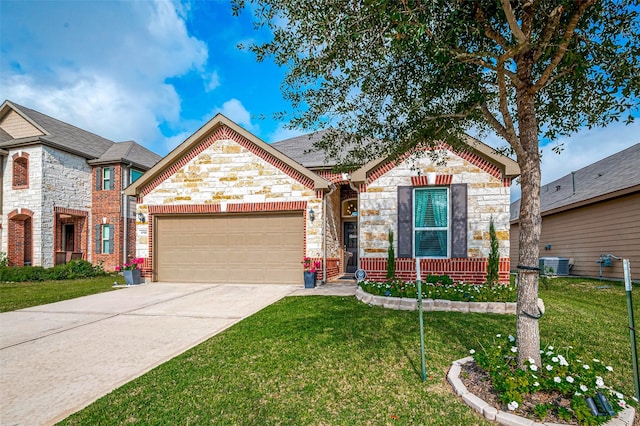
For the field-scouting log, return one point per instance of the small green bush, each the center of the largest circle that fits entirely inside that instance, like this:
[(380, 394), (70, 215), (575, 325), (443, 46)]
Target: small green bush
[(71, 270)]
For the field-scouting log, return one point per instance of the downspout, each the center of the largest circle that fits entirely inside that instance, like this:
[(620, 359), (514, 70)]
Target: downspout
[(125, 202), (324, 232)]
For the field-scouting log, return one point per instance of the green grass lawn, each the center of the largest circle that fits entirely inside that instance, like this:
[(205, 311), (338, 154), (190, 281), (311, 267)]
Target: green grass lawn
[(334, 360), (24, 295)]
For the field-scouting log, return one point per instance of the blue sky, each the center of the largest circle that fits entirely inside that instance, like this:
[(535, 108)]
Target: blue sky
[(155, 71)]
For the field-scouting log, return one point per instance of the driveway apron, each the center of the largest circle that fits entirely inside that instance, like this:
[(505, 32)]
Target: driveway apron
[(56, 359)]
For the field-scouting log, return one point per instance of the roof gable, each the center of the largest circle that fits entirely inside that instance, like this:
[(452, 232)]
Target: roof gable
[(478, 154), (220, 127), (53, 132), (18, 126)]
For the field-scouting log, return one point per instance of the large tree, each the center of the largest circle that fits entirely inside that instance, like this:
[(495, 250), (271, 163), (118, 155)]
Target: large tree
[(412, 73)]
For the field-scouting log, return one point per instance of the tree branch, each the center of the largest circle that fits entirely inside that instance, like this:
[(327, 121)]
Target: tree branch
[(552, 23), (562, 47), (513, 22), (503, 101)]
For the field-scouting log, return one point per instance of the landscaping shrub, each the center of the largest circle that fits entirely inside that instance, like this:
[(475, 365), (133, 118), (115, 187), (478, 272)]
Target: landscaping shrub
[(444, 288), (71, 270)]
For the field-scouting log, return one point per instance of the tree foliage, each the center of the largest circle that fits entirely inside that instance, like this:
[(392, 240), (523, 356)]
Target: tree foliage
[(411, 73)]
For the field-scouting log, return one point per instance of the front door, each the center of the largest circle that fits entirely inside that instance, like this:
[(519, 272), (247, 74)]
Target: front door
[(69, 237), (350, 242)]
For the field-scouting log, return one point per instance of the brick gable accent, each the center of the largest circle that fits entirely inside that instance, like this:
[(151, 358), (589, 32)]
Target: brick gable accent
[(225, 133)]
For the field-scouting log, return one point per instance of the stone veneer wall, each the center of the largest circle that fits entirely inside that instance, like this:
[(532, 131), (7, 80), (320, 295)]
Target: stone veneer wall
[(223, 174), (488, 197), (56, 179)]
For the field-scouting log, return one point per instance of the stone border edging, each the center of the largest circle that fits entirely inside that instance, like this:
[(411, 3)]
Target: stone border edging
[(624, 418), (407, 304)]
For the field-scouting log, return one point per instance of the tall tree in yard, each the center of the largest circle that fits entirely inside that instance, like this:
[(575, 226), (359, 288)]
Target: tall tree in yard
[(414, 74)]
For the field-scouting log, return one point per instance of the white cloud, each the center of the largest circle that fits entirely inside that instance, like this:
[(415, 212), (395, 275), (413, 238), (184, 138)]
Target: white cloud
[(102, 66), (212, 81), (235, 111)]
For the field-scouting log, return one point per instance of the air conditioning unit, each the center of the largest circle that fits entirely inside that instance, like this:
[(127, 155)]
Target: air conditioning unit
[(559, 265)]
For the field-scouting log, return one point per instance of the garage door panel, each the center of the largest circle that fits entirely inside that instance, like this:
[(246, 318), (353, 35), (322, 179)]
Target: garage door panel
[(251, 248)]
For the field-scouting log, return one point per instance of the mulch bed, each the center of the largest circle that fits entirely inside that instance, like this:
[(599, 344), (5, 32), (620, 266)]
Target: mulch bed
[(478, 382)]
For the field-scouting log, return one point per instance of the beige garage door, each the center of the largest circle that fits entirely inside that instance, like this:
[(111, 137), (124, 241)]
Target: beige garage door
[(251, 248)]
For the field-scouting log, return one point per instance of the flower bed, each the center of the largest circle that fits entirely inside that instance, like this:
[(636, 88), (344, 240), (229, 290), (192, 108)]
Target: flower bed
[(443, 288), (408, 304), (566, 388)]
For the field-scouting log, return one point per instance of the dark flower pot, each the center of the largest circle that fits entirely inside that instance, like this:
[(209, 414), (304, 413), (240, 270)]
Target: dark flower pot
[(310, 279), (132, 276)]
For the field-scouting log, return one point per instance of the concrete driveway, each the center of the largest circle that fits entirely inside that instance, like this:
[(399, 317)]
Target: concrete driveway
[(56, 359)]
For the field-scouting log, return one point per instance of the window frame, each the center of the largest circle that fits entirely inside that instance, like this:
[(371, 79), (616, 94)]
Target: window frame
[(105, 238), (106, 182), (447, 228)]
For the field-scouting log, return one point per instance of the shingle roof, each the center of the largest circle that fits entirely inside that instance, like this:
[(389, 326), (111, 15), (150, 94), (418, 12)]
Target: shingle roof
[(71, 138), (300, 149), (124, 152), (614, 173)]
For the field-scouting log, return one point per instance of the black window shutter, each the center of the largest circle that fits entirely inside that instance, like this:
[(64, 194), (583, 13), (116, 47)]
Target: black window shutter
[(98, 178), (111, 251), (112, 183), (98, 239), (459, 220), (405, 221)]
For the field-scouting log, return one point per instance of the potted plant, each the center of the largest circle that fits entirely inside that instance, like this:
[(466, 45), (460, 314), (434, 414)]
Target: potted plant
[(131, 271), (310, 272)]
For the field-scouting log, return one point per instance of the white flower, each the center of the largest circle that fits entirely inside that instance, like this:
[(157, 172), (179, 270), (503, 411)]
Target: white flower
[(472, 351), (577, 394), (585, 366), (533, 367), (498, 335), (583, 388), (549, 353), (609, 368), (549, 367), (512, 405), (569, 379), (511, 338), (536, 384), (619, 395), (550, 348), (555, 359), (563, 361), (578, 360), (622, 403), (596, 360), (599, 382), (531, 361), (534, 376), (557, 379), (514, 349)]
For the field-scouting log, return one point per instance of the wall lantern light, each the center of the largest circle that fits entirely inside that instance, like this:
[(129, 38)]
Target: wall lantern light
[(141, 218), (312, 215)]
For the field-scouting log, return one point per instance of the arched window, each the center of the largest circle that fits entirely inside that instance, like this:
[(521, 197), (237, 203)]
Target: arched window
[(21, 171)]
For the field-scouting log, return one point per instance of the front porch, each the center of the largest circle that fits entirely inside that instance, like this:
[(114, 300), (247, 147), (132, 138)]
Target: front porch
[(71, 235)]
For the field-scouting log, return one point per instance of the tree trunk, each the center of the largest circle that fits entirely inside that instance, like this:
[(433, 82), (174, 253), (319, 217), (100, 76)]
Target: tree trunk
[(527, 330)]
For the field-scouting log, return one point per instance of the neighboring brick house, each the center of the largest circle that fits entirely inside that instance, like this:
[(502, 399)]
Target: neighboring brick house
[(225, 206), (591, 212), (61, 194)]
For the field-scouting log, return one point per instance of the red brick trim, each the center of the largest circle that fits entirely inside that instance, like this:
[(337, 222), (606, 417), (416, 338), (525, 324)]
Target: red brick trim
[(231, 208), (267, 207), (184, 208), (72, 212), (470, 270), (225, 133), (19, 214), (333, 177), (440, 180)]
